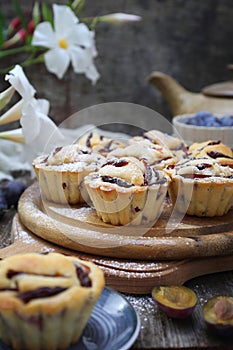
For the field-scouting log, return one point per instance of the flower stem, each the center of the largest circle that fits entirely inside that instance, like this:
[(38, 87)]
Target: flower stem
[(25, 48), (30, 61)]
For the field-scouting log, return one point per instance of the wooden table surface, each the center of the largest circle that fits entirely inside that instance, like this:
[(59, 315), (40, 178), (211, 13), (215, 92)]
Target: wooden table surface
[(157, 330)]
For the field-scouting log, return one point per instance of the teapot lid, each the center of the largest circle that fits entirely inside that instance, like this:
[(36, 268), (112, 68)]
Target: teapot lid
[(223, 89)]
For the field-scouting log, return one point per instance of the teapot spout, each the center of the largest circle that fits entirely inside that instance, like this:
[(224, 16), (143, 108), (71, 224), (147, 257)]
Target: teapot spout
[(180, 100)]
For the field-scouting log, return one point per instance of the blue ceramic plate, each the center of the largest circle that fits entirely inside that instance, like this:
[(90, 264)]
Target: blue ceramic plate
[(114, 325)]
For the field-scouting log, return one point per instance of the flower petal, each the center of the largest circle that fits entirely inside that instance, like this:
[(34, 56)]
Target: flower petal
[(80, 58), (92, 73), (29, 121), (83, 63), (57, 61), (43, 106), (5, 96), (15, 135), (82, 35), (12, 114), (38, 129), (64, 18), (44, 36), (19, 81)]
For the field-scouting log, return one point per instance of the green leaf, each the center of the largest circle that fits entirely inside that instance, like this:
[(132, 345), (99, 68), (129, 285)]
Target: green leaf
[(47, 13), (20, 14)]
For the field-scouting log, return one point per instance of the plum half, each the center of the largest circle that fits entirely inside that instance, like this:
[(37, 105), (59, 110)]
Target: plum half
[(175, 301), (218, 315)]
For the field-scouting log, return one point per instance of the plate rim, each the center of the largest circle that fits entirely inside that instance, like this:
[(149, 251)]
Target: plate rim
[(137, 327)]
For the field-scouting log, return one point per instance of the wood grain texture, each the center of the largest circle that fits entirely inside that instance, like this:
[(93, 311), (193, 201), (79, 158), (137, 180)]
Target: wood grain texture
[(157, 330), (124, 275), (120, 242)]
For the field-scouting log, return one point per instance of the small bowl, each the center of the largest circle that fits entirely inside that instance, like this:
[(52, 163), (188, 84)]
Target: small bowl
[(193, 133)]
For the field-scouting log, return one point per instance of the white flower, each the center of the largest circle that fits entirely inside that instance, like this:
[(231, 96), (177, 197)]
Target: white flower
[(5, 96), (39, 131), (70, 41), (37, 128), (19, 83)]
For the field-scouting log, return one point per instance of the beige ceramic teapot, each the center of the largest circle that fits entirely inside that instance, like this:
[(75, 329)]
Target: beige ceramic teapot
[(217, 98)]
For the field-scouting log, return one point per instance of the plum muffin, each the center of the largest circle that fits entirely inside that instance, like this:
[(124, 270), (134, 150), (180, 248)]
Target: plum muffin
[(156, 137), (100, 144), (46, 299), (201, 187), (60, 174), (127, 191), (155, 155), (214, 149), (175, 147)]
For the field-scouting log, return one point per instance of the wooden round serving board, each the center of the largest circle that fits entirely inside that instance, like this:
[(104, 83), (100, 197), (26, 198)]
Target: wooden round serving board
[(79, 229), (127, 276)]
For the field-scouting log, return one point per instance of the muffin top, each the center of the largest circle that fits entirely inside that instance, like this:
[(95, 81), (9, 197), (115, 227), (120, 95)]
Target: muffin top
[(32, 279), (160, 138), (214, 149), (128, 169), (91, 139), (177, 148), (200, 168), (71, 158), (144, 150), (67, 154), (127, 172), (100, 144)]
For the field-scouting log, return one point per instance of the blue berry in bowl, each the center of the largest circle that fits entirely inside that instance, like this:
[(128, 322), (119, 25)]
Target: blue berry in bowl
[(227, 120), (208, 119)]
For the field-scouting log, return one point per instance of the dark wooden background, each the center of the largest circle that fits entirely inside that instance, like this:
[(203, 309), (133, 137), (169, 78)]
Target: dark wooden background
[(188, 39)]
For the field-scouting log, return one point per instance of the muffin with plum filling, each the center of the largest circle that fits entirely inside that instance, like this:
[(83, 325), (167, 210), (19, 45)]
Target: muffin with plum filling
[(156, 137), (127, 191), (46, 299), (155, 155), (60, 174), (201, 187), (214, 149), (99, 143)]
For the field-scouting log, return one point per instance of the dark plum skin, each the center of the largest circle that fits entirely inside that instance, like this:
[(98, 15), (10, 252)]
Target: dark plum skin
[(3, 204), (208, 119), (218, 315), (175, 301), (10, 192)]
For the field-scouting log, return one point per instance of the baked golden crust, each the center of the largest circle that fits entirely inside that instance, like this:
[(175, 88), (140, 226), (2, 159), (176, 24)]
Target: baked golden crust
[(46, 300), (155, 155), (171, 142), (201, 187), (155, 138), (214, 149), (100, 144), (60, 174), (127, 191)]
